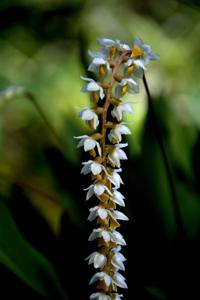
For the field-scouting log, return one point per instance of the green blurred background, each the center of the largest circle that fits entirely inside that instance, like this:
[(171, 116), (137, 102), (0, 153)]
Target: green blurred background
[(43, 232)]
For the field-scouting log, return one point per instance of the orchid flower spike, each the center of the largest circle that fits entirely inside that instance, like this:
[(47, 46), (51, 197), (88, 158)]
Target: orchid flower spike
[(119, 67)]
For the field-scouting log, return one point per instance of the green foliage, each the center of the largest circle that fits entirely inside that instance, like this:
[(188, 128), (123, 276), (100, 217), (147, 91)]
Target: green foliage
[(27, 263)]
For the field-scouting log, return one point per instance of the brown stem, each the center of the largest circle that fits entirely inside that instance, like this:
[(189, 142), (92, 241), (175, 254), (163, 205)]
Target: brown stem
[(107, 104)]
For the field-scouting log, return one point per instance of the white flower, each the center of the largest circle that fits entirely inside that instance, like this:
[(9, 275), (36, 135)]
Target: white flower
[(115, 178), (98, 189), (118, 260), (99, 260), (102, 276), (107, 43), (118, 215), (99, 59), (100, 233), (118, 198), (123, 107), (100, 296), (117, 296), (117, 154), (117, 238), (143, 52), (126, 85), (101, 212), (88, 143), (91, 166), (92, 86), (119, 280), (115, 134), (89, 115)]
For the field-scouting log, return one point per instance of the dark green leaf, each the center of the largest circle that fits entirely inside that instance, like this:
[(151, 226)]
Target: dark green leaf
[(27, 263)]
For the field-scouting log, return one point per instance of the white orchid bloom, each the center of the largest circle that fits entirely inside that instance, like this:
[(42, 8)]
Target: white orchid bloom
[(118, 215), (107, 43), (88, 143), (119, 280), (102, 276), (97, 211), (96, 189), (118, 198), (100, 233), (99, 59), (143, 52), (115, 178), (99, 260), (126, 85), (89, 115), (118, 260), (100, 296), (92, 86), (91, 166), (117, 154), (119, 110), (117, 238), (115, 134)]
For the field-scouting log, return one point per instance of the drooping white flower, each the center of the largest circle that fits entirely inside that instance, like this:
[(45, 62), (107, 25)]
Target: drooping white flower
[(117, 296), (102, 276), (126, 85), (88, 143), (100, 296), (99, 59), (115, 178), (117, 238), (89, 115), (119, 280), (92, 86), (98, 189), (99, 260), (97, 211), (123, 107), (118, 198), (115, 133), (143, 52), (91, 166), (100, 233), (118, 215), (107, 43), (117, 154), (118, 260)]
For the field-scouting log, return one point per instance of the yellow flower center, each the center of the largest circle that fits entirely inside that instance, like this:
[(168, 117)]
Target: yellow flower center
[(137, 52)]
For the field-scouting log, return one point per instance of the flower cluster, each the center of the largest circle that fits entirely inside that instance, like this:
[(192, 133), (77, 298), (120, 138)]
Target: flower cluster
[(118, 67)]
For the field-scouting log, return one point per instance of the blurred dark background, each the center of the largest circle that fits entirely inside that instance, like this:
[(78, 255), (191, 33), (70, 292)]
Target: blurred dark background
[(43, 227)]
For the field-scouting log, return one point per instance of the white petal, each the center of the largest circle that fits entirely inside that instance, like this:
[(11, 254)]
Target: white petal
[(106, 236), (119, 280), (99, 260), (117, 262), (121, 154), (93, 236), (92, 214), (90, 193), (118, 238), (99, 61), (86, 168), (102, 212), (98, 148), (96, 168), (89, 144), (87, 79), (93, 86), (118, 215), (99, 189)]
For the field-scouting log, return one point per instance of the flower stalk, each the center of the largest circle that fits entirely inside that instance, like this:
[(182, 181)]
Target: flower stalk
[(118, 67)]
